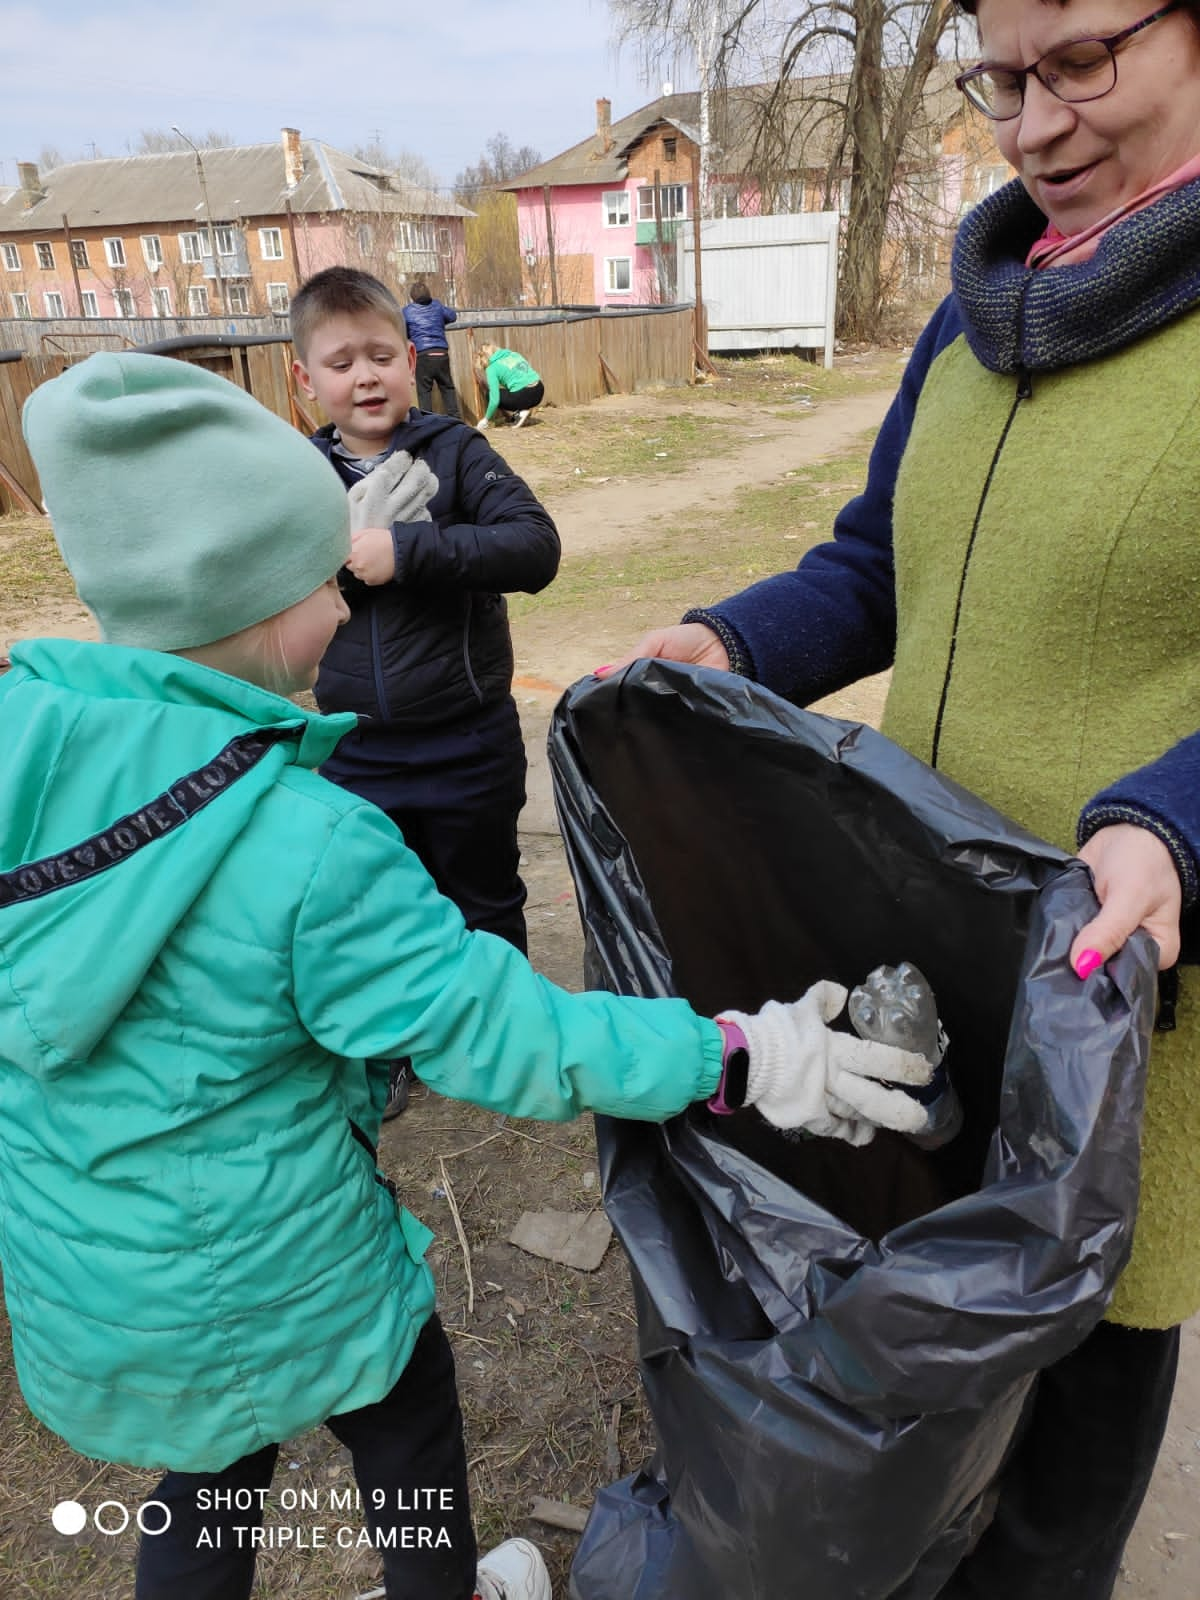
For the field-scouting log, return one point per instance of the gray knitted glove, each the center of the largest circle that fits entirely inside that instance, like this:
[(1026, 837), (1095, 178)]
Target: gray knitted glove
[(397, 490), (804, 1075)]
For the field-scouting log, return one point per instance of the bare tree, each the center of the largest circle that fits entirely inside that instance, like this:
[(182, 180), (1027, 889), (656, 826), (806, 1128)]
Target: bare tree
[(403, 164), (875, 57), (499, 162), (493, 246), (709, 31), (156, 141)]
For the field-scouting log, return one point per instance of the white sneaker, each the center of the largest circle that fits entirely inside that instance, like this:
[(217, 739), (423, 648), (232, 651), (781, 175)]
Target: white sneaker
[(513, 1571), (520, 418)]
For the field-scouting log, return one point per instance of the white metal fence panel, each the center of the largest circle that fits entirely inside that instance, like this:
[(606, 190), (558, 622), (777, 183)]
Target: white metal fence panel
[(767, 282)]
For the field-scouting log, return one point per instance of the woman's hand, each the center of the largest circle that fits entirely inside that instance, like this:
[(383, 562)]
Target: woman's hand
[(690, 642), (1138, 887)]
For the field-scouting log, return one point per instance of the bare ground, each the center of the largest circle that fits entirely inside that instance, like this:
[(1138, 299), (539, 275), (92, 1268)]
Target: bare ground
[(544, 1352)]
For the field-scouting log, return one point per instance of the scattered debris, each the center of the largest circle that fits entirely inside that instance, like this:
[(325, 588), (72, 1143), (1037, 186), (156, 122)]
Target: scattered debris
[(612, 1445), (558, 1514), (572, 1238)]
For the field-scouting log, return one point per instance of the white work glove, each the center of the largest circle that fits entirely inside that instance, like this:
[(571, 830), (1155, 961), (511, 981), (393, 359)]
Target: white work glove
[(397, 490), (483, 424), (802, 1074)]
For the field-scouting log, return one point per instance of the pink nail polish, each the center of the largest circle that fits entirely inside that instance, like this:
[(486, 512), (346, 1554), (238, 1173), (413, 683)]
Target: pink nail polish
[(602, 672), (1088, 961)]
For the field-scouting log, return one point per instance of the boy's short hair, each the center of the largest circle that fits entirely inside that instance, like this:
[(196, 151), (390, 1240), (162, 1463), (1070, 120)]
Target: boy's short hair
[(337, 292)]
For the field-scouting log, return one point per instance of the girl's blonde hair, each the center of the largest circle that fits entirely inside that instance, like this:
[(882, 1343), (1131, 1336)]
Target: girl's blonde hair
[(484, 354), (257, 654)]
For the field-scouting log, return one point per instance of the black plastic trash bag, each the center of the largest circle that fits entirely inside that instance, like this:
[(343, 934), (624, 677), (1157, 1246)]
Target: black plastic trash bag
[(837, 1343)]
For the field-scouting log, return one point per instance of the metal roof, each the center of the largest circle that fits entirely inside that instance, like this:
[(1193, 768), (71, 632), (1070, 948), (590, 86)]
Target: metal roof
[(243, 181), (807, 125)]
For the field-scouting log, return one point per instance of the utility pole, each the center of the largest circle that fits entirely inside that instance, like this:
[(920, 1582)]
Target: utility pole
[(212, 238)]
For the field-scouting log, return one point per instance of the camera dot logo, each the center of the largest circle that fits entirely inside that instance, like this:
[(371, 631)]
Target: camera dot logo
[(69, 1517), (111, 1517)]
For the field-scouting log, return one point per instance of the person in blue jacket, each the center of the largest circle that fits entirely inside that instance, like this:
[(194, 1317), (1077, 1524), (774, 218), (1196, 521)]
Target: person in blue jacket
[(443, 529), (426, 319), (207, 954), (1023, 557)]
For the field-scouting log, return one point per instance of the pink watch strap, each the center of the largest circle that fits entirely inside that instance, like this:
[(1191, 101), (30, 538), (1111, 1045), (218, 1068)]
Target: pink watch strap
[(735, 1039)]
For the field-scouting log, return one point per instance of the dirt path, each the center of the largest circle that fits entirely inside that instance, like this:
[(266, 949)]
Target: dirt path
[(610, 514)]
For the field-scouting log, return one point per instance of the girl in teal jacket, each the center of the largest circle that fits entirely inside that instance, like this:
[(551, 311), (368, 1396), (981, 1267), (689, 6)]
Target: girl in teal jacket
[(207, 953)]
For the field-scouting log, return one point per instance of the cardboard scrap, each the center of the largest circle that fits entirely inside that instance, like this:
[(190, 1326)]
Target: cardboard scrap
[(572, 1238)]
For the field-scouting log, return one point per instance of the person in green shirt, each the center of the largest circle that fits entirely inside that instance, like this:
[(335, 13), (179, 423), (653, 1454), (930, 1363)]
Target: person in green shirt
[(512, 385)]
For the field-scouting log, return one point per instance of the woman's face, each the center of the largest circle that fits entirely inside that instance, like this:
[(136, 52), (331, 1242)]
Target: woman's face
[(1079, 162)]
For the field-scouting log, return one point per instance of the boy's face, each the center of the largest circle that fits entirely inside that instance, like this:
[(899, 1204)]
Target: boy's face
[(361, 370)]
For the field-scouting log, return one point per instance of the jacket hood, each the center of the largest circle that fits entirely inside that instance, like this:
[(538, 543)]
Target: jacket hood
[(128, 774)]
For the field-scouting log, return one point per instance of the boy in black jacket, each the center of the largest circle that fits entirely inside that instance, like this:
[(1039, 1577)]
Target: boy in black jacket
[(442, 529)]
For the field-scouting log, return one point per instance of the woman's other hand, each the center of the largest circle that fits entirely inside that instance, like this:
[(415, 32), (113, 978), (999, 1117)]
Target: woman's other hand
[(1138, 887), (690, 642)]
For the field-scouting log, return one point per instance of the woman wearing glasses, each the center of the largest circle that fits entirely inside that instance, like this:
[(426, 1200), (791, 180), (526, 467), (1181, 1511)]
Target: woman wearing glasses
[(1025, 556)]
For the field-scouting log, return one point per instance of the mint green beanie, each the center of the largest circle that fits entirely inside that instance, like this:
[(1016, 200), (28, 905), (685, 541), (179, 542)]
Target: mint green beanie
[(184, 510)]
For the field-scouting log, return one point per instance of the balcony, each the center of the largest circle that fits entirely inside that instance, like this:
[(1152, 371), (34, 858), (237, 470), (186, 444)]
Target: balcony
[(236, 265), (647, 232)]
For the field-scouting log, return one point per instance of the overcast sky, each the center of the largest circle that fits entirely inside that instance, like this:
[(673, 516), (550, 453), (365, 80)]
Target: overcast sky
[(73, 75)]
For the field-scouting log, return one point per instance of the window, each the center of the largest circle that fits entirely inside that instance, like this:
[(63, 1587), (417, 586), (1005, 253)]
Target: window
[(198, 300), (920, 259), (226, 241), (669, 149), (21, 306), (79, 255), (91, 305), (279, 298), (270, 244), (789, 196), (416, 236), (189, 247), (366, 238), (238, 297), (618, 274), (114, 252), (152, 249), (45, 255), (616, 209), (673, 202), (54, 304), (992, 178), (160, 302), (123, 303), (12, 258)]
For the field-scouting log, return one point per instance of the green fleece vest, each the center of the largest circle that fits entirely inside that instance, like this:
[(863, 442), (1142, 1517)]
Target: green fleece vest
[(1048, 595)]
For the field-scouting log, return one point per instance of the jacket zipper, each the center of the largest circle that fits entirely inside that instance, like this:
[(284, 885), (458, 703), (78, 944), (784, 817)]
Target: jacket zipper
[(466, 649), (1024, 392), (377, 667)]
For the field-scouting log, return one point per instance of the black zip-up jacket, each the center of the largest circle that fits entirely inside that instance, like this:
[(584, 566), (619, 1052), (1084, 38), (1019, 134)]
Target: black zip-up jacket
[(433, 645)]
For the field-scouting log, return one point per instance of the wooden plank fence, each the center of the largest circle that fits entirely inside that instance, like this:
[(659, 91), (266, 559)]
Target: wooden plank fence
[(579, 355)]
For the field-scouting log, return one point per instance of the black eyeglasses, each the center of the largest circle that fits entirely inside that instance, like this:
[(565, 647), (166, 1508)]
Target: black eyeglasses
[(1080, 70)]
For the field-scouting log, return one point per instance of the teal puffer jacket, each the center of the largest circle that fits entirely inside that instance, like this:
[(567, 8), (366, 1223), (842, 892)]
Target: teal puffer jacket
[(198, 1256)]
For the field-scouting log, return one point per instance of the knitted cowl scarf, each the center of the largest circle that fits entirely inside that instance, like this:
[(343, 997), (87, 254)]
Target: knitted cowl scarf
[(1145, 273)]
